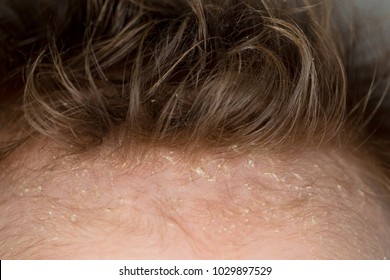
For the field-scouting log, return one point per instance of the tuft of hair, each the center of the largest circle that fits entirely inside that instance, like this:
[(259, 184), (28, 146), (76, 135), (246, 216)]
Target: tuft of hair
[(184, 74)]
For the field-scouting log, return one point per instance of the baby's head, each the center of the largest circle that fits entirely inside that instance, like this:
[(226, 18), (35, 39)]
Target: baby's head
[(187, 129)]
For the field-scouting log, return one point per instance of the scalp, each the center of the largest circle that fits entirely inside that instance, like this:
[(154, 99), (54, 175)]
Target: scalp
[(87, 118), (164, 207)]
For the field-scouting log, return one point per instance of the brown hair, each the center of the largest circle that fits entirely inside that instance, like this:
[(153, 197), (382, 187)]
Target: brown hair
[(262, 75)]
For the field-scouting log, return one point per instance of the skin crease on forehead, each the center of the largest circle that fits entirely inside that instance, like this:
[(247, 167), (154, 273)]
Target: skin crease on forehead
[(248, 207)]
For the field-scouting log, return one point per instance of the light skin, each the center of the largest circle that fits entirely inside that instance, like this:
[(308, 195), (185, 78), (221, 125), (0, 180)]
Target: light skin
[(275, 78), (164, 207)]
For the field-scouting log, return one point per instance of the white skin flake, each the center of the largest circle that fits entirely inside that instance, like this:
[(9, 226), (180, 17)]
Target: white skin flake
[(73, 218), (273, 175), (234, 148), (200, 172), (250, 163), (203, 174), (168, 158), (299, 177)]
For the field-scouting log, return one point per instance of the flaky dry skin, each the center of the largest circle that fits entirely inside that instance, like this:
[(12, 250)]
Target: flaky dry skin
[(155, 129), (247, 207)]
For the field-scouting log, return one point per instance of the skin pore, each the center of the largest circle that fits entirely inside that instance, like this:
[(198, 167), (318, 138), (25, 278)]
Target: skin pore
[(210, 207)]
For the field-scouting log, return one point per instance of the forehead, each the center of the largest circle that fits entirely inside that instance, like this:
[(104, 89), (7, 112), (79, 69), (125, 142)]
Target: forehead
[(248, 206)]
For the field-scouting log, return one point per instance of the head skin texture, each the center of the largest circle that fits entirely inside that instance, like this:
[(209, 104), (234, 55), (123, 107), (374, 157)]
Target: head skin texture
[(243, 207), (189, 129)]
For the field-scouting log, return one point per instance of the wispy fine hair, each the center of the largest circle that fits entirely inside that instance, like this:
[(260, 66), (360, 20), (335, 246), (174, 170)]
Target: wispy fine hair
[(261, 75)]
